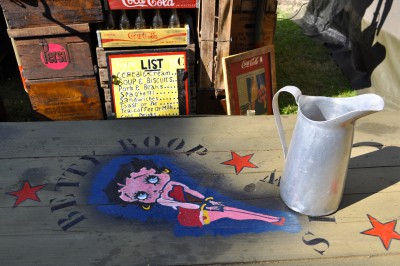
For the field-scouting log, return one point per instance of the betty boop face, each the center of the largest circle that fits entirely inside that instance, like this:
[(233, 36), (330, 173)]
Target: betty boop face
[(144, 186)]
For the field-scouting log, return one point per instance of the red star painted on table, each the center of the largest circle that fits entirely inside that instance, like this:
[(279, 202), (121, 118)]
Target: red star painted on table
[(240, 162), (384, 231), (25, 193)]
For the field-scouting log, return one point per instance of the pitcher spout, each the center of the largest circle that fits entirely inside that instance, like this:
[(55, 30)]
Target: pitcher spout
[(361, 106), (342, 111)]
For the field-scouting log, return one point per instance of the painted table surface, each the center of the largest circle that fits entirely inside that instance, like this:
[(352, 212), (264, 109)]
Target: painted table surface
[(57, 208)]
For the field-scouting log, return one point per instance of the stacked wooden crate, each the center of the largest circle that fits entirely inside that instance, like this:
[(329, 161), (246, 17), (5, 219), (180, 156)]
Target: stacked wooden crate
[(52, 44), (229, 27), (117, 41)]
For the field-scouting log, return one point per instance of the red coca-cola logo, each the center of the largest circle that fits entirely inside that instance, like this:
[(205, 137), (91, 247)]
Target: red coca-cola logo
[(54, 56)]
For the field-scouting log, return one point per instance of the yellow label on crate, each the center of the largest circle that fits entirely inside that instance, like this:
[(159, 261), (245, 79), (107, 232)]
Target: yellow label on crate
[(145, 37), (146, 84)]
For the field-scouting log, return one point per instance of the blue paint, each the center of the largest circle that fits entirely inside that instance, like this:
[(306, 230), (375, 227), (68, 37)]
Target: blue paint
[(164, 214)]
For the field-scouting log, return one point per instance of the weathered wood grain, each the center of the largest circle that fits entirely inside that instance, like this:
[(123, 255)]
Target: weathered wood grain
[(76, 153), (49, 30), (65, 99), (72, 51), (223, 40), (33, 13), (207, 42)]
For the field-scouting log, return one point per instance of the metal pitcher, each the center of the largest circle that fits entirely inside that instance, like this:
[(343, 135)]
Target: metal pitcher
[(316, 162)]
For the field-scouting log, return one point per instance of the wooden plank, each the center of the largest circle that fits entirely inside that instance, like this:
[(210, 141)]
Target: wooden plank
[(33, 13), (101, 57), (207, 39), (55, 57), (65, 99), (71, 159), (377, 129), (223, 41), (49, 30), (250, 6), (236, 6)]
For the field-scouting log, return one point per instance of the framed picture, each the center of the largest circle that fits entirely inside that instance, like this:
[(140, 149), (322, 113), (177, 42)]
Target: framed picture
[(250, 81), (149, 82)]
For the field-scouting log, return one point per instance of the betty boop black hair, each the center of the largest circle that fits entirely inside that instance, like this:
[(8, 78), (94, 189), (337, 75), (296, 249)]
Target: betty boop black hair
[(125, 170)]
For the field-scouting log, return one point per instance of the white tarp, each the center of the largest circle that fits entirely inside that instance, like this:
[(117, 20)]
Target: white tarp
[(365, 40)]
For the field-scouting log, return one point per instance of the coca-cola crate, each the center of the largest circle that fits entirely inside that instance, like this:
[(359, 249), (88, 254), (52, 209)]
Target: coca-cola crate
[(148, 4), (143, 37)]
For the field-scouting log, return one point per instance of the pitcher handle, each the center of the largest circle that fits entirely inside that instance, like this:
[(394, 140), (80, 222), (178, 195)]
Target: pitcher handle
[(275, 105)]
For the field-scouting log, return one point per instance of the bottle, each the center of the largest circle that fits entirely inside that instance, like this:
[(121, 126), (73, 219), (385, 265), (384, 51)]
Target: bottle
[(157, 20), (174, 19), (124, 22), (140, 22), (110, 22)]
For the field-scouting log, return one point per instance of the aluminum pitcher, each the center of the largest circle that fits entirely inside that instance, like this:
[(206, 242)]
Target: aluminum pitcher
[(316, 162)]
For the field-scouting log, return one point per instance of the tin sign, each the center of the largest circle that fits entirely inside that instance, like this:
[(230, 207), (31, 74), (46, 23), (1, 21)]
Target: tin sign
[(147, 4)]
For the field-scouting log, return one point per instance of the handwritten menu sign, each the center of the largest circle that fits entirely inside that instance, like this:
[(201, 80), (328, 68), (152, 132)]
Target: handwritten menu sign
[(149, 84)]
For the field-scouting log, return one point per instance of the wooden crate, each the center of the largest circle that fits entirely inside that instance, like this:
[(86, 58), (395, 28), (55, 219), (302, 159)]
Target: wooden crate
[(244, 29), (65, 99), (34, 13), (45, 54), (143, 37), (220, 25)]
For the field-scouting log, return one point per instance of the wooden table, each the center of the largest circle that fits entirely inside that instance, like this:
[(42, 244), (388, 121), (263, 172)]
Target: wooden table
[(60, 203)]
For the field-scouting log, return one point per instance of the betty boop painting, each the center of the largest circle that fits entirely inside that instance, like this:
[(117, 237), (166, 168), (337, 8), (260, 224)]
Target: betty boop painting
[(151, 188)]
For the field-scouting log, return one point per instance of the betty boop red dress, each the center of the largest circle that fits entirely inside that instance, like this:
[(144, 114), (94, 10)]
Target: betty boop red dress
[(188, 217)]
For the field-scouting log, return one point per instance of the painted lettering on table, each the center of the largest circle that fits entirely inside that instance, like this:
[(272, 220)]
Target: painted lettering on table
[(271, 179), (319, 244), (157, 188), (70, 179), (54, 56), (152, 188)]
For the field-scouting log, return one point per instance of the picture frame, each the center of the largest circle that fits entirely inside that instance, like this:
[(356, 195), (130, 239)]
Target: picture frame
[(250, 81), (149, 82)]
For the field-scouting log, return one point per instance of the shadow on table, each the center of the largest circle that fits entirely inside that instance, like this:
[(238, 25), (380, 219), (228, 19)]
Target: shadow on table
[(371, 172)]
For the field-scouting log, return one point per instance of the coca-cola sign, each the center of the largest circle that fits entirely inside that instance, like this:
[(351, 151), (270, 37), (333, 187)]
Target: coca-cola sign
[(254, 61), (159, 4)]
